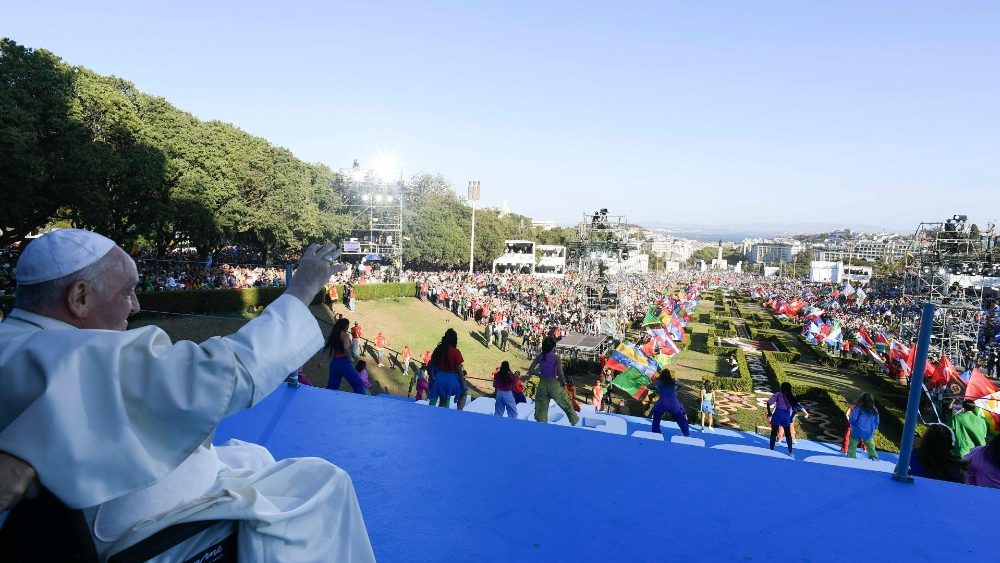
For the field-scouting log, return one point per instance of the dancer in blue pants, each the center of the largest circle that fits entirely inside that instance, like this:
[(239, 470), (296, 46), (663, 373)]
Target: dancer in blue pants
[(668, 403)]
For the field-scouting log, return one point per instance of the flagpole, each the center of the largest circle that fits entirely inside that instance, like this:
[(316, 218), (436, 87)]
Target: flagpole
[(902, 472)]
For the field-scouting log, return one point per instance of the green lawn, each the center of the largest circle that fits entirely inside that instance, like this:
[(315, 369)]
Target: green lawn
[(403, 321)]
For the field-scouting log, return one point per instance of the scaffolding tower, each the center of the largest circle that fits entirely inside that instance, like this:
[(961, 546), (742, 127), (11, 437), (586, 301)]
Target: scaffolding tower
[(950, 263), (603, 245), (376, 208)]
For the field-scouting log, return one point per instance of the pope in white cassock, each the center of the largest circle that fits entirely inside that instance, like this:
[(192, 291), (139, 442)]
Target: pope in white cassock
[(119, 422)]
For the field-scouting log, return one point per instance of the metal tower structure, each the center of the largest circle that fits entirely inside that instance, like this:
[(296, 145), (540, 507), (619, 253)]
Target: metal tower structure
[(602, 247), (949, 265), (376, 208)]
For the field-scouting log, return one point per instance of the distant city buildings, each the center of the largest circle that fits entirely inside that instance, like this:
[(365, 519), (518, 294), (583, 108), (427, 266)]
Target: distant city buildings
[(671, 249), (771, 251), (871, 248), (838, 246)]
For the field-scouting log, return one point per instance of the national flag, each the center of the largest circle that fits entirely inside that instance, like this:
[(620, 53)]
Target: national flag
[(848, 290), (881, 341), (989, 408), (633, 382), (629, 355), (675, 331), (992, 421), (943, 372), (649, 348), (898, 350), (861, 295), (662, 359), (651, 320), (835, 335), (864, 339), (668, 347), (978, 387), (615, 365), (875, 356), (663, 340)]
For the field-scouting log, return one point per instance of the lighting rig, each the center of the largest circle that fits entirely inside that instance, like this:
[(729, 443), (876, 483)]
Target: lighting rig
[(602, 251), (952, 268)]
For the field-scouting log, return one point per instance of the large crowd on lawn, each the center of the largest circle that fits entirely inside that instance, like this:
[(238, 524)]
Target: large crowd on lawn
[(881, 308)]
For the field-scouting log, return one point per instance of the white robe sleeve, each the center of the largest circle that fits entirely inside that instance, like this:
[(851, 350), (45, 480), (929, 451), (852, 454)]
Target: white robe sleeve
[(100, 414)]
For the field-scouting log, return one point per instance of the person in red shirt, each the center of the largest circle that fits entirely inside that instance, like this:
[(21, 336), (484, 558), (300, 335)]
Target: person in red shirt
[(426, 358), (380, 344), (356, 339), (446, 368)]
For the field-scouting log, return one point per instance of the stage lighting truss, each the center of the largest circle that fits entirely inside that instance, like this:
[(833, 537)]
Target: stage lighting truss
[(949, 267), (603, 247), (377, 214)]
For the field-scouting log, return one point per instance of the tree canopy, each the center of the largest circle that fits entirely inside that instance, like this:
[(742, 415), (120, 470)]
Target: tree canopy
[(94, 152)]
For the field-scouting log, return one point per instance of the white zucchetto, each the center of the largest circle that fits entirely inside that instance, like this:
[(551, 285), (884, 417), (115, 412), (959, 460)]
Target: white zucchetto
[(60, 253)]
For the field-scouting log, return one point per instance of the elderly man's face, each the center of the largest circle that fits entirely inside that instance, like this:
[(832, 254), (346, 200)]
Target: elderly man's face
[(117, 301)]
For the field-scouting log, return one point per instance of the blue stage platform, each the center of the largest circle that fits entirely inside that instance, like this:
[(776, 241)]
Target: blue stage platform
[(441, 485)]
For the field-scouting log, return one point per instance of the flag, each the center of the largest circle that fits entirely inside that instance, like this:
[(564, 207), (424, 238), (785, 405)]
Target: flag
[(649, 348), (662, 339), (848, 290), (668, 347), (615, 365), (864, 339), (651, 319), (861, 295), (632, 382), (898, 350), (675, 331), (835, 335), (662, 359), (943, 372), (878, 359), (989, 408), (978, 387), (628, 354), (881, 341)]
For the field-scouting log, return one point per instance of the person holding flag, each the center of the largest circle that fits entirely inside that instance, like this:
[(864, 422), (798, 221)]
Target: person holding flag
[(667, 403)]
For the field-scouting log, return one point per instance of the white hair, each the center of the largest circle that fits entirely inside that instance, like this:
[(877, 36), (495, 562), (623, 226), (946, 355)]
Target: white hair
[(44, 296)]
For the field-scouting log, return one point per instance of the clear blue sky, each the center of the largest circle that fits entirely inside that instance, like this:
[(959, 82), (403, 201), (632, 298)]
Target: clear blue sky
[(710, 112)]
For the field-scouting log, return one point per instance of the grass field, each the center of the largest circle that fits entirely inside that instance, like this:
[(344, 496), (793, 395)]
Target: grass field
[(402, 321)]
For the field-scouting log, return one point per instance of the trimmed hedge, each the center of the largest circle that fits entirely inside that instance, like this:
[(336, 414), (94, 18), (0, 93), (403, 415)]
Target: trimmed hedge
[(741, 381), (208, 300), (783, 341), (784, 357), (233, 300)]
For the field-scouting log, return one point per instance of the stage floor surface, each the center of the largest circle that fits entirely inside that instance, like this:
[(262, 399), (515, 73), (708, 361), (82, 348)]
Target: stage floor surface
[(441, 485)]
